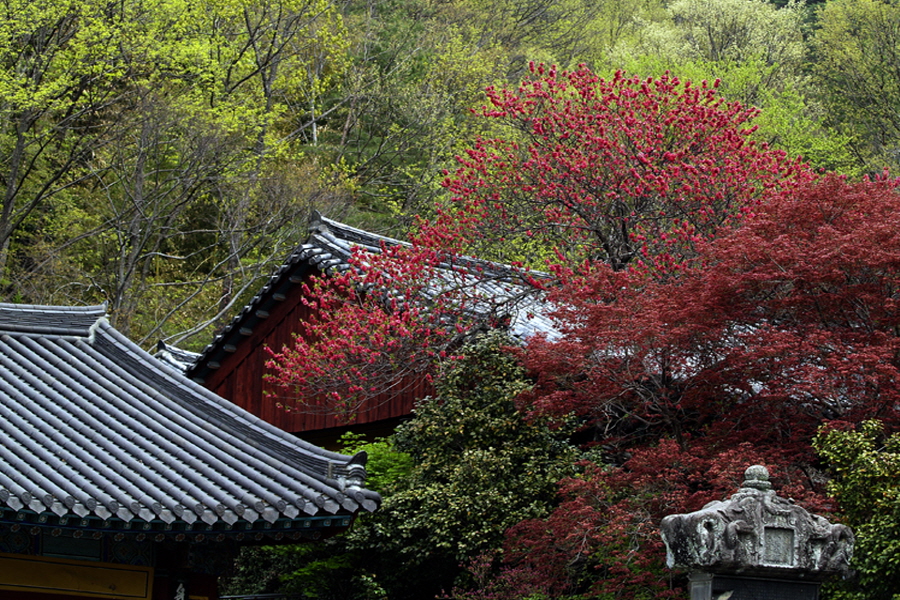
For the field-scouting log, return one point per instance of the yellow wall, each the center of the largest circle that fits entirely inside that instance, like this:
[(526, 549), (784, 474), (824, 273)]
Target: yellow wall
[(77, 578)]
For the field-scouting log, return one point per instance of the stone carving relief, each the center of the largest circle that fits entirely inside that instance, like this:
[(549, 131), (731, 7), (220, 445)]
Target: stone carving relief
[(757, 531)]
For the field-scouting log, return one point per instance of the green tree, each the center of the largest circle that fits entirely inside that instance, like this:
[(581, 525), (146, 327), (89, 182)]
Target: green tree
[(857, 71), (403, 108), (865, 465), (156, 157), (480, 467), (62, 65), (759, 54), (618, 25), (724, 30), (731, 32)]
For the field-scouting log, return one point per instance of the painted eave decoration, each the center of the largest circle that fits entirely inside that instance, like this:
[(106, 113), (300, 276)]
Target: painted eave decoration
[(100, 438)]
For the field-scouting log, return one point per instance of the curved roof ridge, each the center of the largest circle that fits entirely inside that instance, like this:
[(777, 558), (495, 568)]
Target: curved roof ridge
[(71, 321)]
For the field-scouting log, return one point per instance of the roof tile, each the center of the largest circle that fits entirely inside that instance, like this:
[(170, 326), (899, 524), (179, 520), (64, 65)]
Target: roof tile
[(93, 427)]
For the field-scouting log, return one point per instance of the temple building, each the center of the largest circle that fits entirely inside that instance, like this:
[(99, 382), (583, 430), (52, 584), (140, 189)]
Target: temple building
[(233, 364), (121, 478)]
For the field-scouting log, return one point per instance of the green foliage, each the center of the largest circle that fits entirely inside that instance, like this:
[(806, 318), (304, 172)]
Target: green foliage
[(479, 467), (855, 66), (865, 463), (386, 467), (323, 570), (758, 52), (405, 100), (616, 27), (329, 569), (151, 151), (731, 30)]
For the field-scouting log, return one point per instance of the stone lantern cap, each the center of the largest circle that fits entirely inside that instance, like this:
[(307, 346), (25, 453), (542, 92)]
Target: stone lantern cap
[(757, 532)]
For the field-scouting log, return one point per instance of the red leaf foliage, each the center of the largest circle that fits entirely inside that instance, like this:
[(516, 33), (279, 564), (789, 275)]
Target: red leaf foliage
[(626, 171), (789, 320)]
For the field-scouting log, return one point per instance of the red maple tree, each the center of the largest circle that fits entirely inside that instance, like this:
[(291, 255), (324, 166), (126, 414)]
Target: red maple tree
[(786, 322)]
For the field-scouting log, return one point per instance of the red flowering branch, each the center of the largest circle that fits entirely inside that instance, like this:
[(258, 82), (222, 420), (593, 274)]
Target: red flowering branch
[(627, 171), (593, 175), (384, 323)]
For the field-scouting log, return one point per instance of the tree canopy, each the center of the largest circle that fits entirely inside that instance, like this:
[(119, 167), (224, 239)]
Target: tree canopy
[(735, 315), (716, 297)]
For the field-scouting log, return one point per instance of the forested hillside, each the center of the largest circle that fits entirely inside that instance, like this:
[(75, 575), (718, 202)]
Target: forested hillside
[(162, 155), (707, 184)]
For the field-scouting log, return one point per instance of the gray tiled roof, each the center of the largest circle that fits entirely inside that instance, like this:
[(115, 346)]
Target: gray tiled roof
[(330, 245), (496, 288), (95, 433), (175, 357)]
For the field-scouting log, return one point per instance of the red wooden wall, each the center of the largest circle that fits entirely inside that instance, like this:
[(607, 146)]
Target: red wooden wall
[(240, 378)]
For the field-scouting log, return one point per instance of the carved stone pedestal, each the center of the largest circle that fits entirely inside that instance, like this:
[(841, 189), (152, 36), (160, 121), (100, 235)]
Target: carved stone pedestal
[(756, 546)]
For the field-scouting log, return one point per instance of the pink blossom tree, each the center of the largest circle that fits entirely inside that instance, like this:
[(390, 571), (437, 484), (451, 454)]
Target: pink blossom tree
[(629, 173)]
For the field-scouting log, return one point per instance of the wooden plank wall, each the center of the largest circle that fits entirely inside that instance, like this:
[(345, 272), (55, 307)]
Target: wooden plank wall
[(241, 378)]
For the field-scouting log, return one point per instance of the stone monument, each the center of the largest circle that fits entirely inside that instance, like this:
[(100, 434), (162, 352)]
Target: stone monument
[(756, 546)]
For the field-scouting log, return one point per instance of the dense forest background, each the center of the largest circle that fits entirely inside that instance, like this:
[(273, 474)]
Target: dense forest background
[(162, 155)]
